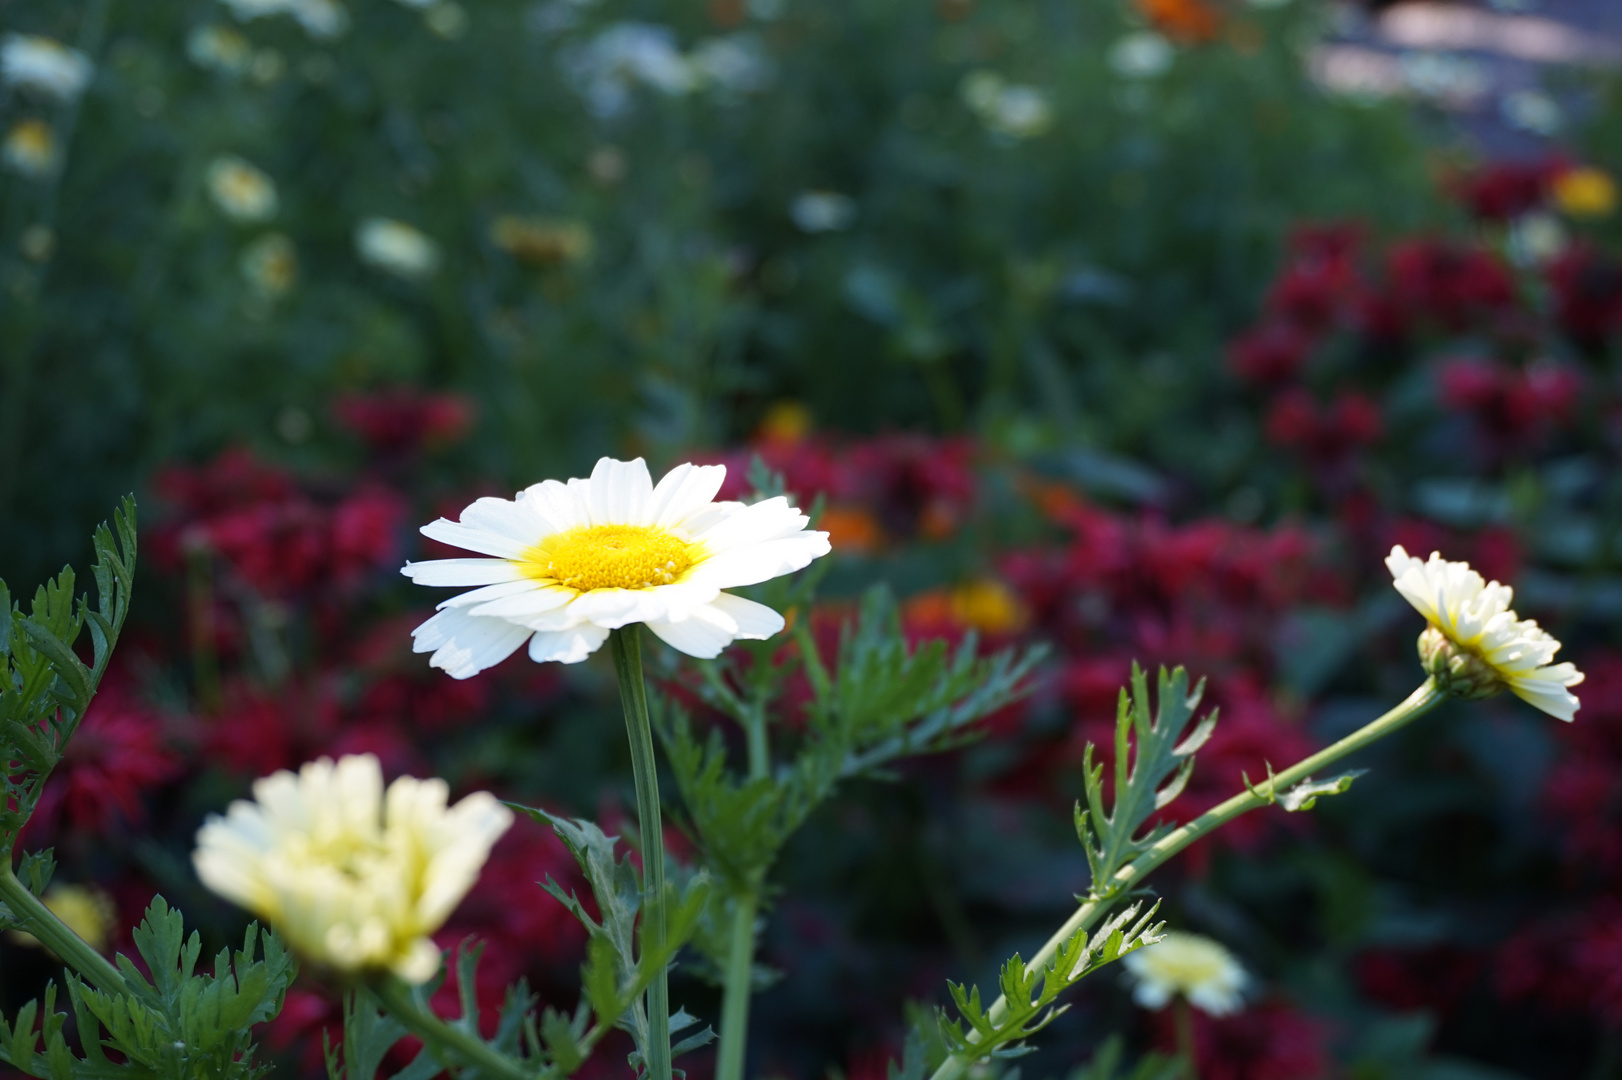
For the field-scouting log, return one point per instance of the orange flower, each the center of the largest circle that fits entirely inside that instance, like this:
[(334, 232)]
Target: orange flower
[(851, 529), (1188, 21)]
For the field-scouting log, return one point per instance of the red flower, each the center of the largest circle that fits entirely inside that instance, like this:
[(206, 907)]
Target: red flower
[(115, 758), (1270, 1041), (1510, 405), (1506, 190), (404, 421), (1452, 285), (1327, 436), (1272, 353), (1588, 295)]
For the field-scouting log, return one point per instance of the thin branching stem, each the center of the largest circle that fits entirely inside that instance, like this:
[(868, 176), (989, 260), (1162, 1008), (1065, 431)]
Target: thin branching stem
[(1420, 702)]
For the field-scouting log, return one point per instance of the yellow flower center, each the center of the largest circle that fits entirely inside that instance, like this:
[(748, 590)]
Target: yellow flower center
[(610, 557)]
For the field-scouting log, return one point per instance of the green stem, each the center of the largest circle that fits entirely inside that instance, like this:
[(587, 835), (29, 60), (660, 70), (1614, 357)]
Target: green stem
[(627, 650), (449, 1044), (739, 985), (1185, 1038), (37, 919), (739, 988), (1420, 702)]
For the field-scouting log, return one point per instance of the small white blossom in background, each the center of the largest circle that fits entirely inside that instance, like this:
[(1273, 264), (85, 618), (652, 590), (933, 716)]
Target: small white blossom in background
[(30, 148), (1475, 644), (213, 47), (45, 66), (242, 191), (611, 65), (1445, 78), (574, 561), (397, 248), (446, 19), (1536, 239), (270, 265), (822, 211), (1195, 967), (321, 19), (1535, 111), (737, 64), (324, 20), (1142, 55), (1008, 109), (356, 878)]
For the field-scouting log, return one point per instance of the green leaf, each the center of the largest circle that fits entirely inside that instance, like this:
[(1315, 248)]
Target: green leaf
[(1031, 995), (1153, 761), (1304, 795)]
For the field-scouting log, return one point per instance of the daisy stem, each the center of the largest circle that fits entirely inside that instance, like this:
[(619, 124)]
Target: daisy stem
[(1420, 702), (444, 1040), (739, 986), (627, 649), (1184, 1017), (35, 918)]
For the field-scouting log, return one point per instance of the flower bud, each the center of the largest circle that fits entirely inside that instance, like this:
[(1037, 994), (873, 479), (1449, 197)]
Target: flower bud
[(1457, 671)]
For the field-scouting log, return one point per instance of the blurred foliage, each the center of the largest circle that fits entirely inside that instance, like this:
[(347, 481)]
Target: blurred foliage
[(620, 261)]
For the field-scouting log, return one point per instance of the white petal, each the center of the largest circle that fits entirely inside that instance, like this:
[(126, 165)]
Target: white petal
[(613, 608), (464, 644), (703, 635), (557, 503), (771, 519), (619, 492), (490, 592), (518, 520), (523, 606), (461, 571), (760, 562), (755, 621), (474, 539), (683, 492), (566, 646)]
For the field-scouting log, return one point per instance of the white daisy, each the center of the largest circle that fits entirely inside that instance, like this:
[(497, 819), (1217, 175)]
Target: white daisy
[(397, 248), (45, 66), (574, 561), (1476, 639), (241, 189), (355, 878), (1201, 970)]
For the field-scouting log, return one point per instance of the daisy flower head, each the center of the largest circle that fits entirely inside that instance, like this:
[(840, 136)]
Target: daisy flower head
[(568, 562), (354, 876), (1475, 646), (1191, 965), (44, 66)]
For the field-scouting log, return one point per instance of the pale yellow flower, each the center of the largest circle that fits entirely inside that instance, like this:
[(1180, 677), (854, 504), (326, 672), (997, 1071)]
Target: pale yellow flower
[(574, 561), (1475, 645), (30, 148), (270, 264), (541, 241), (356, 878), (241, 190), (1585, 193), (1195, 967), (86, 910)]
